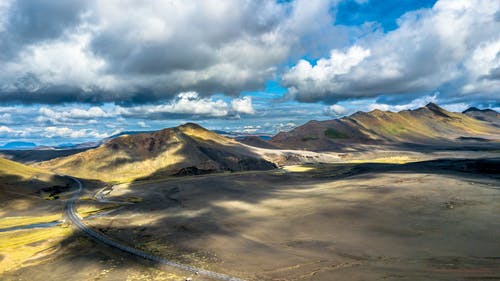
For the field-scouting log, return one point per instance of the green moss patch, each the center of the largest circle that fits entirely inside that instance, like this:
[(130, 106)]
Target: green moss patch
[(334, 134)]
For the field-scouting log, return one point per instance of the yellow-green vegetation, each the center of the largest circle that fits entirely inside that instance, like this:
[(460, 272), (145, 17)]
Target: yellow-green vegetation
[(125, 158), (133, 199), (86, 210), (430, 125), (163, 249), (154, 275), (157, 154), (298, 168), (309, 138), (17, 247), (429, 122), (387, 160), (19, 221), (321, 170), (13, 174), (197, 132), (118, 165), (11, 168), (334, 134)]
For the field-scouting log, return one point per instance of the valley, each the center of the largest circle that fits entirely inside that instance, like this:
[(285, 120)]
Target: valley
[(185, 203), (250, 140)]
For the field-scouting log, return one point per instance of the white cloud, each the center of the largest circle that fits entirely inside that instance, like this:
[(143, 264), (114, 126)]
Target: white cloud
[(5, 129), (243, 105), (426, 52), (335, 110), (5, 118), (484, 67), (321, 79), (456, 107), (8, 132), (142, 124), (75, 113), (67, 62), (63, 115), (284, 127), (65, 132), (170, 46), (91, 51), (416, 103), (190, 103), (249, 129)]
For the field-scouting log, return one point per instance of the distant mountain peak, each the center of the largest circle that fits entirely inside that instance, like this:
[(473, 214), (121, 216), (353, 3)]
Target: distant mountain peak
[(191, 125), (18, 145), (475, 109), (436, 109), (471, 109), (488, 115), (433, 106)]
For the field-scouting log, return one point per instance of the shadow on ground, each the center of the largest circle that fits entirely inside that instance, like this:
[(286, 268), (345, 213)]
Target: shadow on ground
[(172, 223)]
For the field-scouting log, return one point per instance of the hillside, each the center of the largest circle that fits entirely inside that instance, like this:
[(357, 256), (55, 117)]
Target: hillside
[(13, 169), (429, 125), (26, 180), (37, 155), (487, 115), (187, 149)]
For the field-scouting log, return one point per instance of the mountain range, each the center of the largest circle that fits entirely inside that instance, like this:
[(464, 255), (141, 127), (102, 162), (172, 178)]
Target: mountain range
[(428, 125), (488, 115), (191, 149)]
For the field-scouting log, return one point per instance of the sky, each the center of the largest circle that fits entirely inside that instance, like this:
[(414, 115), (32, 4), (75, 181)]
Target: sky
[(82, 70)]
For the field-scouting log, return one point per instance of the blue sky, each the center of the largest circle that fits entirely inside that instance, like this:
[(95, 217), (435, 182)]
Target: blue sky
[(386, 13), (81, 70)]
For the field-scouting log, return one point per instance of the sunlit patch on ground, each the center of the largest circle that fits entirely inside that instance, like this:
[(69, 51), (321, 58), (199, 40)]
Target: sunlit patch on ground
[(298, 168), (19, 221), (90, 209), (20, 247), (387, 160)]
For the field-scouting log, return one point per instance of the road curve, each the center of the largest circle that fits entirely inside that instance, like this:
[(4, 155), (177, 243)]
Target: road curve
[(72, 215)]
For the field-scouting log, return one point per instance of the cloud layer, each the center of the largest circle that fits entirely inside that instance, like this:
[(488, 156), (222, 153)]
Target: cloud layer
[(84, 69), (136, 52), (453, 47)]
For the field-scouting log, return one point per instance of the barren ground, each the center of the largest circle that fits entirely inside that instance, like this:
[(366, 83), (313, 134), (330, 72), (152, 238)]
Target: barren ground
[(437, 220)]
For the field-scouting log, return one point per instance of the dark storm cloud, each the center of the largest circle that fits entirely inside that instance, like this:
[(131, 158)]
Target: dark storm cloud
[(52, 95), (33, 21), (193, 41), (494, 74), (134, 52)]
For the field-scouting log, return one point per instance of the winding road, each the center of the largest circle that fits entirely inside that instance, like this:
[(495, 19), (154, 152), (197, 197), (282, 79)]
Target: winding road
[(75, 219)]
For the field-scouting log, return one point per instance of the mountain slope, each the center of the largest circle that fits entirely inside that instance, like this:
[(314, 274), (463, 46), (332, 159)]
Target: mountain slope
[(186, 149), (427, 125), (23, 179), (14, 169), (487, 115)]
